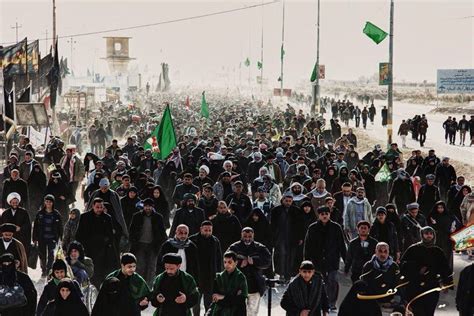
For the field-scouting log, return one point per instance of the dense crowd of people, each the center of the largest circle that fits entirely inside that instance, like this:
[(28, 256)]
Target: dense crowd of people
[(252, 194)]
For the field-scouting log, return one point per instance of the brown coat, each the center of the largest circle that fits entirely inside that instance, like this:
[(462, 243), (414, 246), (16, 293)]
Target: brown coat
[(403, 129)]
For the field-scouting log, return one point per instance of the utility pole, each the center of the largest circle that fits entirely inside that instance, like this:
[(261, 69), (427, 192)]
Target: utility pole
[(72, 42), (16, 27), (46, 40), (282, 52), (54, 23), (316, 104), (390, 77)]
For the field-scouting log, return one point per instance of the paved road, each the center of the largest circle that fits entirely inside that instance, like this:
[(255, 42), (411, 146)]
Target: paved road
[(435, 136), (435, 139)]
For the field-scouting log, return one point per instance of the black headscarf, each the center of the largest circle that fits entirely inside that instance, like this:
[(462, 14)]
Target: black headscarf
[(72, 305), (108, 300), (7, 269)]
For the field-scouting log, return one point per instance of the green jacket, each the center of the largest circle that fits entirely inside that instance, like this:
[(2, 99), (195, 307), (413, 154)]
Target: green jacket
[(138, 287), (234, 288), (189, 289)]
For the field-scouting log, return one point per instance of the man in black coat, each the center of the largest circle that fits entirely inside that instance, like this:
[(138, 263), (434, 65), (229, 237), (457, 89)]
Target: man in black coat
[(360, 250), (428, 195), (283, 222), (411, 223), (445, 177), (183, 188), (15, 184), (147, 234), (226, 226), (425, 267), (402, 191), (188, 215), (384, 230), (324, 246), (210, 263), (239, 203), (19, 217), (184, 247), (253, 258), (96, 233), (342, 197)]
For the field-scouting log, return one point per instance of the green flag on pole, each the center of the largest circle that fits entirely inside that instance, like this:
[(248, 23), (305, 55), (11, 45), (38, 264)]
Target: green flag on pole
[(162, 140), (204, 106), (282, 52), (315, 73), (247, 62), (383, 175), (374, 32), (259, 65)]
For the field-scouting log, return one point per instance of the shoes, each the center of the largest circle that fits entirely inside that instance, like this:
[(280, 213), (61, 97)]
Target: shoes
[(333, 309)]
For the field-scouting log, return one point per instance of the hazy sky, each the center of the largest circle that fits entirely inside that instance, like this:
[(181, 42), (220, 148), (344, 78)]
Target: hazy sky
[(428, 35)]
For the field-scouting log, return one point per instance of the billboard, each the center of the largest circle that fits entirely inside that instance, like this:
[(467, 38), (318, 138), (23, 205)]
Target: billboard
[(284, 92), (384, 78), (455, 81), (322, 71)]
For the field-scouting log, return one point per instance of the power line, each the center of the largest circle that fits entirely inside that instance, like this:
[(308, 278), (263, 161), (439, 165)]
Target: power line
[(189, 18)]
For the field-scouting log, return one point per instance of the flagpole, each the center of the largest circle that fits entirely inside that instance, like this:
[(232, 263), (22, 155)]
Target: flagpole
[(282, 49), (390, 76), (54, 23), (316, 106)]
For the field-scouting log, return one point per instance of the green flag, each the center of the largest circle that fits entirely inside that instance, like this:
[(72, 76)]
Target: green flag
[(374, 32), (163, 139), (247, 62), (383, 175), (282, 52), (204, 106), (259, 65), (315, 73)]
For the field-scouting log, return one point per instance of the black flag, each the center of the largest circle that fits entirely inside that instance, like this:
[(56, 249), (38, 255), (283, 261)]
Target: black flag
[(54, 76)]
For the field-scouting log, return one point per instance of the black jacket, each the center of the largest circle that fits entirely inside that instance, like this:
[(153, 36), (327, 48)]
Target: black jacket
[(192, 258), (324, 246), (208, 205), (157, 225), (262, 259), (427, 197), (445, 176), (210, 260), (357, 256), (192, 219), (241, 206), (96, 234), (391, 238), (291, 219), (402, 192), (227, 228), (411, 229), (38, 226)]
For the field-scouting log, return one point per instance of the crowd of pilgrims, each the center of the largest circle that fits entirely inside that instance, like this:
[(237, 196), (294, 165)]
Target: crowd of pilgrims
[(252, 194)]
